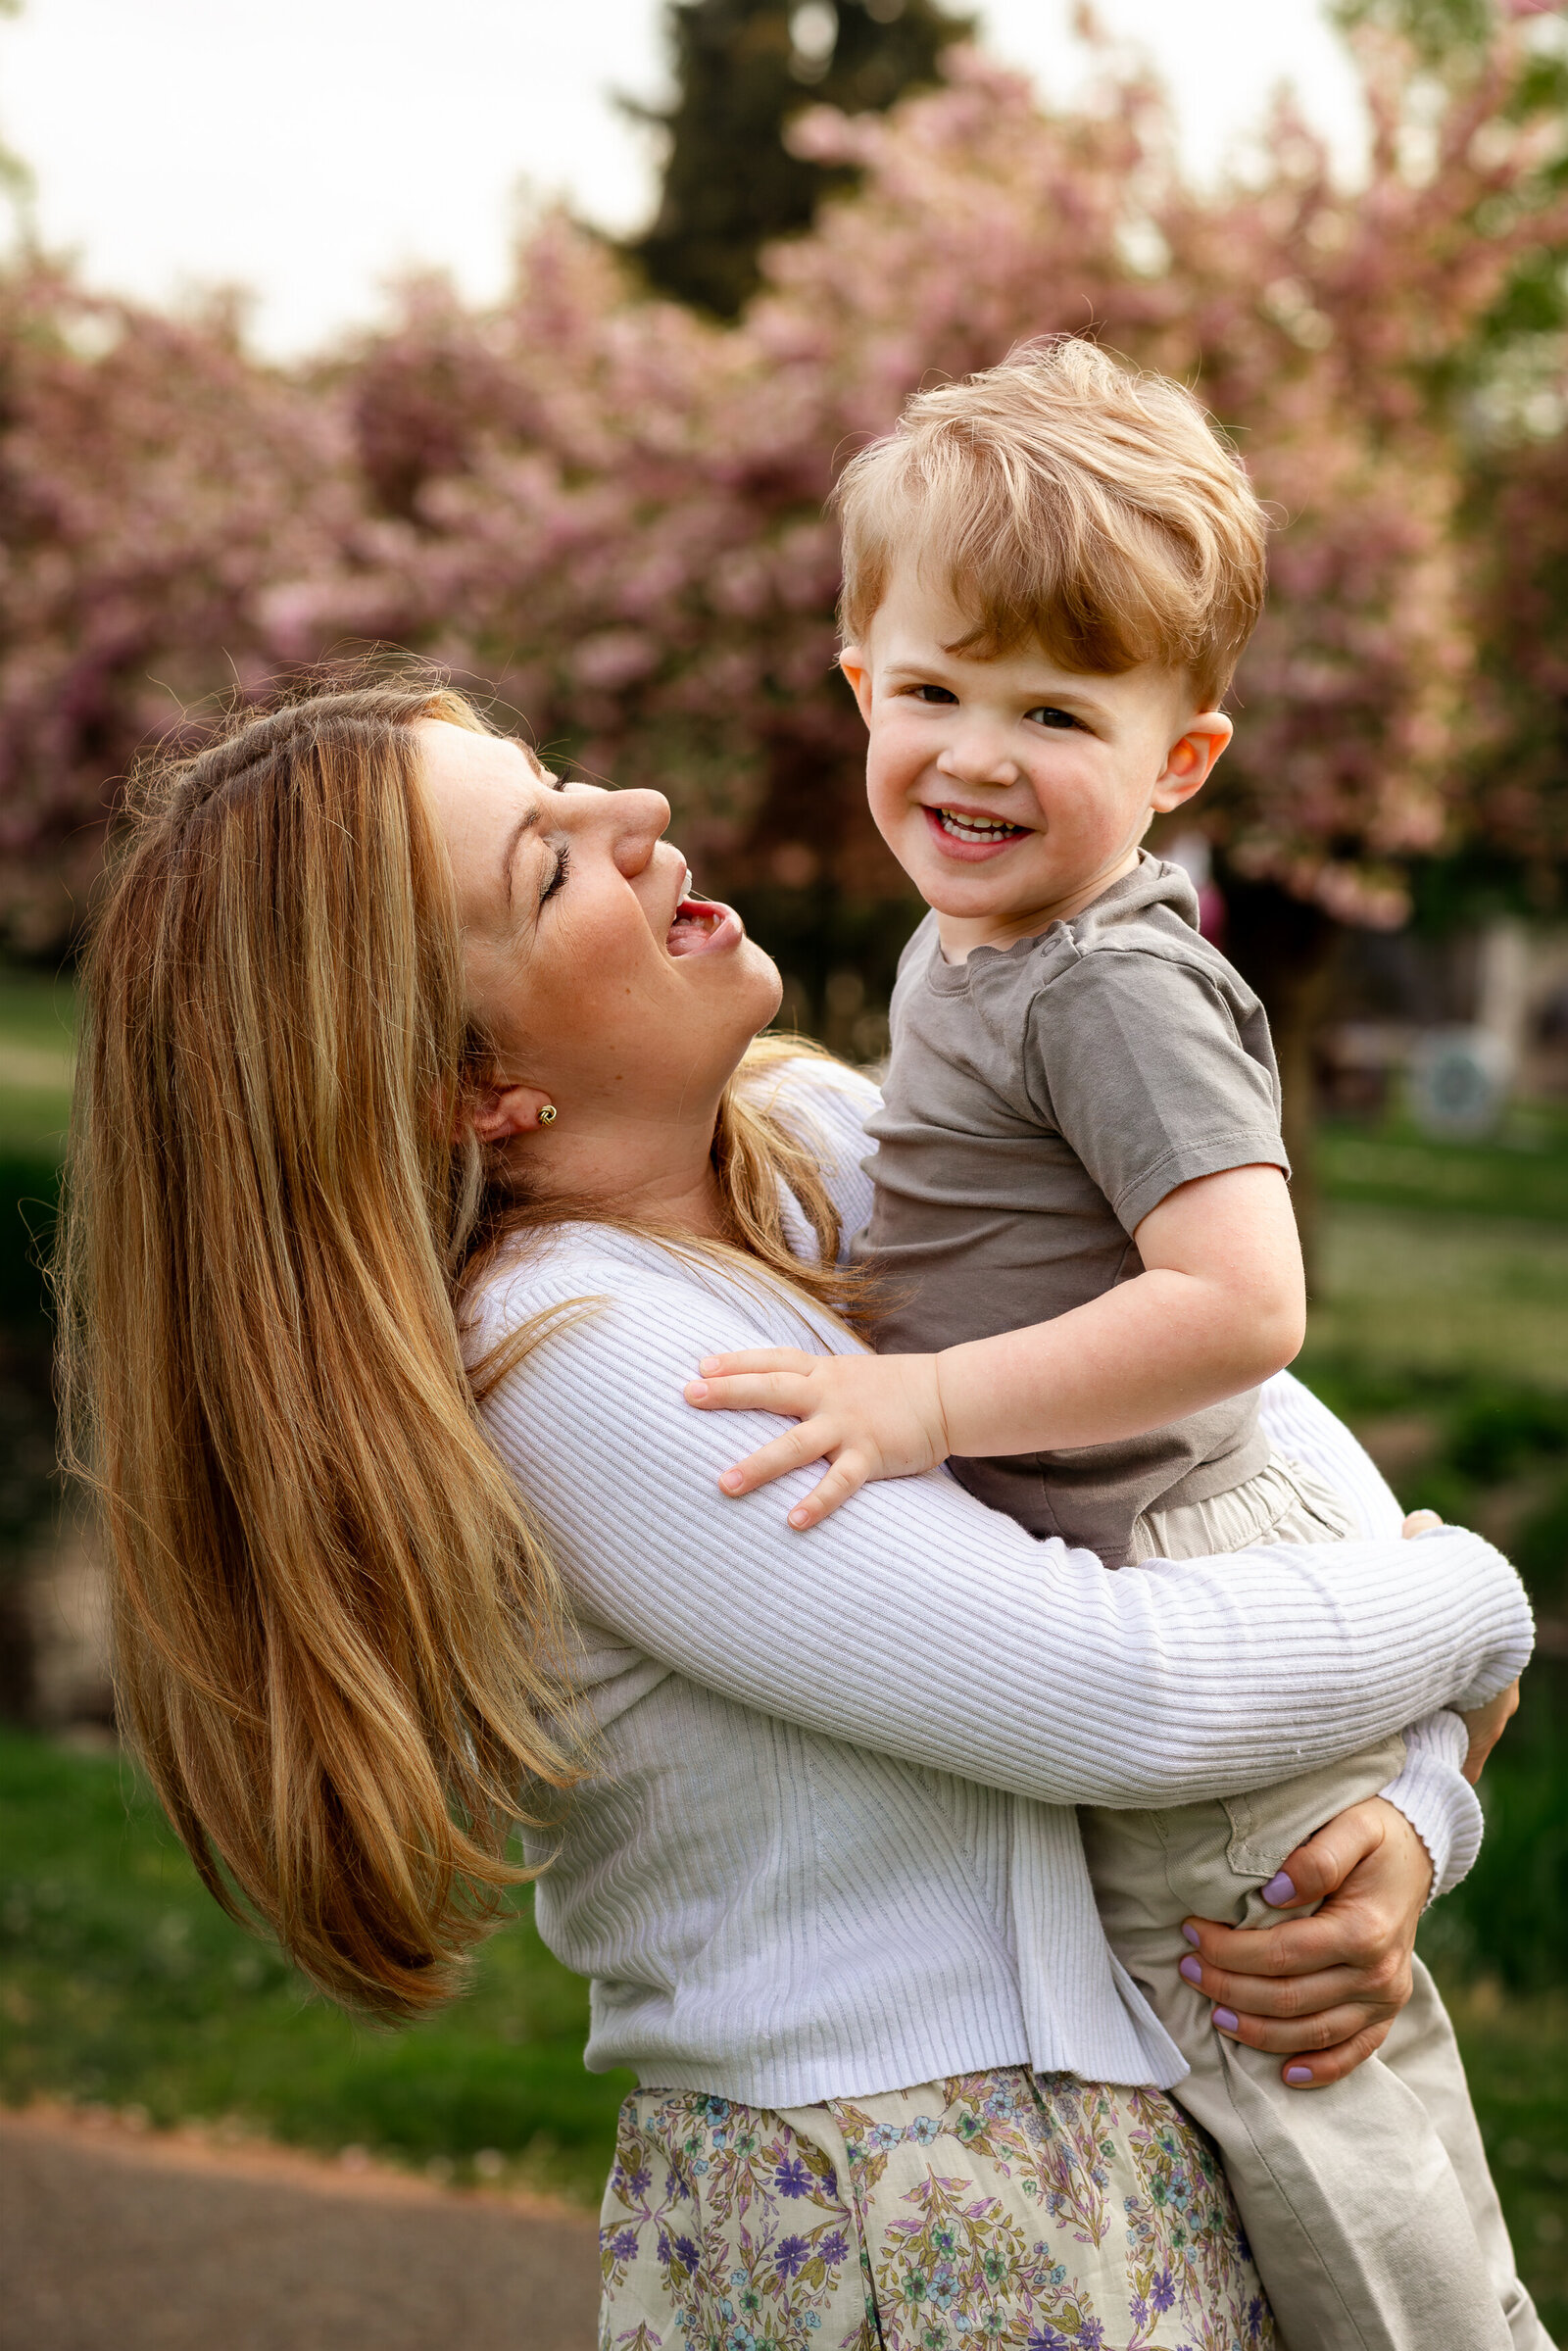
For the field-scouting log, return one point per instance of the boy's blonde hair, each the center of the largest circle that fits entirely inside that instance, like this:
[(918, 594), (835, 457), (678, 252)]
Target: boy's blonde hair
[(1065, 496)]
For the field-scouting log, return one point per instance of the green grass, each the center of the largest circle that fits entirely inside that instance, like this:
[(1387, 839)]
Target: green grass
[(1426, 1291), (37, 1016), (1516, 2056), (1522, 1171), (1440, 1333), (1482, 1451), (1507, 1922), (123, 1984)]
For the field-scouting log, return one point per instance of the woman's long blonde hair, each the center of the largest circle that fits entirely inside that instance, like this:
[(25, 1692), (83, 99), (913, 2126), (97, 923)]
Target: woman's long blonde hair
[(339, 1640)]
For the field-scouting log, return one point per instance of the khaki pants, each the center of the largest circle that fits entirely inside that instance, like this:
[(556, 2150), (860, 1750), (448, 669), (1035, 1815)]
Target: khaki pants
[(1368, 2205)]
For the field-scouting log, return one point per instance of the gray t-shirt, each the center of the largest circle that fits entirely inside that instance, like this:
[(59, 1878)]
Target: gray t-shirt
[(1041, 1100)]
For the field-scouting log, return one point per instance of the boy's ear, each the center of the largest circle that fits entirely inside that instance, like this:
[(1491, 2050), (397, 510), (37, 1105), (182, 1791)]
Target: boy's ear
[(1190, 762), (858, 669)]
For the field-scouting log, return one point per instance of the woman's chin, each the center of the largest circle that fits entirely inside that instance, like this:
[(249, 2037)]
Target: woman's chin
[(754, 990), (762, 981)]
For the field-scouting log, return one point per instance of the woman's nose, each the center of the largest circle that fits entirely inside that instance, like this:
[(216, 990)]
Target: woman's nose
[(642, 818), (635, 819)]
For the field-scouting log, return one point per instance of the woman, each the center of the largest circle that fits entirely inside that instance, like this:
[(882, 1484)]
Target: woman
[(396, 1049)]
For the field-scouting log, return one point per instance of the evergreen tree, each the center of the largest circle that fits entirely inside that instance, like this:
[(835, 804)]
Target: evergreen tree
[(742, 68)]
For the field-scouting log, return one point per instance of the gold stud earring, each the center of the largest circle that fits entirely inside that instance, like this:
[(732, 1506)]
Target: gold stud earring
[(548, 1115)]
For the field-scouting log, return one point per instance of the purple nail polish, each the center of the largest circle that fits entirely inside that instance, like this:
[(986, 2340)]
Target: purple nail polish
[(1190, 1970), (1226, 2019), (1297, 2073), (1190, 1933), (1280, 1892)]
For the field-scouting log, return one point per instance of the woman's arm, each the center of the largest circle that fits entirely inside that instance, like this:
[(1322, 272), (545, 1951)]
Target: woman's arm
[(921, 1624), (1432, 1791)]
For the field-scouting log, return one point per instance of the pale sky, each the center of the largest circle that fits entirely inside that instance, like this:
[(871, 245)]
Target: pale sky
[(309, 149)]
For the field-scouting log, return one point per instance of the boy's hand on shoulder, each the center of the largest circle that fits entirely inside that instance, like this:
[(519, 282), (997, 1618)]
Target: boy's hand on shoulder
[(870, 1416)]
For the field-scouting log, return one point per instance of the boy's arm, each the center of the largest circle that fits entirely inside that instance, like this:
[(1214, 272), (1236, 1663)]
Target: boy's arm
[(1219, 1307)]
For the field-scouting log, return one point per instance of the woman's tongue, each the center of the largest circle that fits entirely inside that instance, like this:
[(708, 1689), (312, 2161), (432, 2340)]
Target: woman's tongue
[(692, 927)]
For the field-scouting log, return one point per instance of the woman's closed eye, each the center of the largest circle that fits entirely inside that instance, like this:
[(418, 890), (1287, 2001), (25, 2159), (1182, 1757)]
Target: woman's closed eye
[(554, 880)]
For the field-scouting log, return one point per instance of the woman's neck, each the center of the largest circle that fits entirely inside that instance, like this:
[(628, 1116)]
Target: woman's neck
[(668, 1180)]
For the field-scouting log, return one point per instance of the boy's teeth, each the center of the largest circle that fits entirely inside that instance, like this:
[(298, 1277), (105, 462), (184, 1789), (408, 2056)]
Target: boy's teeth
[(981, 828)]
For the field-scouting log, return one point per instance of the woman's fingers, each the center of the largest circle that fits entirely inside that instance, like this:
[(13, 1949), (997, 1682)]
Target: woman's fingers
[(1317, 2069), (1291, 1953), (1286, 2012), (1323, 1863), (1310, 2037), (1337, 2042), (1486, 1726)]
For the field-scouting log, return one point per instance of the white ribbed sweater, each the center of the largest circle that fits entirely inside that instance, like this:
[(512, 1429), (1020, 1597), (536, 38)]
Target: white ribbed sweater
[(829, 1849)]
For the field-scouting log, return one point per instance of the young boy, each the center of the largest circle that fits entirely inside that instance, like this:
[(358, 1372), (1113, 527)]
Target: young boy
[(1081, 1211)]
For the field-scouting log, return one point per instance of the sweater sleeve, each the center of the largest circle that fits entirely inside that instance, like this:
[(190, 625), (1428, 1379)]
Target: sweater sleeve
[(827, 1103), (1431, 1790), (1437, 1799), (920, 1623)]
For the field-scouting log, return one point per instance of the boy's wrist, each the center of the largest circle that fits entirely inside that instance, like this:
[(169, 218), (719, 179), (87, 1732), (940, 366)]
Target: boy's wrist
[(944, 1426)]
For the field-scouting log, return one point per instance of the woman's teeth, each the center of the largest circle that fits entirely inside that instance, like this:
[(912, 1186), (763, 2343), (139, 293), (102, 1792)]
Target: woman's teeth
[(978, 828)]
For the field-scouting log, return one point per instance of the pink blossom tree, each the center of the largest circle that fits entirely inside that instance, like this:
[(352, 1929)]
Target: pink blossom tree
[(610, 511), (151, 479)]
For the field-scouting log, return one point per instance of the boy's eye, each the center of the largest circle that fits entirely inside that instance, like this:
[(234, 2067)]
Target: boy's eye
[(1048, 715), (934, 694)]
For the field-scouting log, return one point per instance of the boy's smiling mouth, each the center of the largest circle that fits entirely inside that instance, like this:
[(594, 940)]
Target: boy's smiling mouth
[(965, 834)]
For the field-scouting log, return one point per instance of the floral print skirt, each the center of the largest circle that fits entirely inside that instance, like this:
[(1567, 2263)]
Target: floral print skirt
[(1036, 2212)]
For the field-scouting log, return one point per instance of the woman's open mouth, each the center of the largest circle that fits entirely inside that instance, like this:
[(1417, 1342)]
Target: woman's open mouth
[(701, 926), (959, 833)]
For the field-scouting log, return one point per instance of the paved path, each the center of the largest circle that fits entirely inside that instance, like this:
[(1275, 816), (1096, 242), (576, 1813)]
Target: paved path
[(112, 2244)]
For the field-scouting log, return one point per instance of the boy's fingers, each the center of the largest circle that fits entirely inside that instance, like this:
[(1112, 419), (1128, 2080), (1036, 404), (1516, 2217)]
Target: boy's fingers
[(843, 1479), (752, 1392), (756, 1358), (792, 1451)]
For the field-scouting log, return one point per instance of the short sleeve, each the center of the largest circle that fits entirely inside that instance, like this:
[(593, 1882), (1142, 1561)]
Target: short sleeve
[(1137, 1059)]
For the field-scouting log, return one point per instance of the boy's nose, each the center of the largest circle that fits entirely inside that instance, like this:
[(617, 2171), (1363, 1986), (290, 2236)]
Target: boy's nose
[(976, 759)]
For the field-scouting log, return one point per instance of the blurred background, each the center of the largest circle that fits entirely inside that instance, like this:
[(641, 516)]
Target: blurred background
[(530, 340)]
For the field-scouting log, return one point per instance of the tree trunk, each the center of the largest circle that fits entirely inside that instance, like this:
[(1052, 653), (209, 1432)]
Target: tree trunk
[(1286, 950)]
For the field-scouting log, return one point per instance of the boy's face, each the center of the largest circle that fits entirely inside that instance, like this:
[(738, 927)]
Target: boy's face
[(1011, 791)]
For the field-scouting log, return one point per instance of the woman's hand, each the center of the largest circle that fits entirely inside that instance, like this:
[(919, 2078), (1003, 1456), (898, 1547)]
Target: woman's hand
[(1323, 1991)]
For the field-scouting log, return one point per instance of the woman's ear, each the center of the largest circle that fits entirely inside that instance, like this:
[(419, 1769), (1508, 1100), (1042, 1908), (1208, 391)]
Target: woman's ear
[(501, 1111)]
